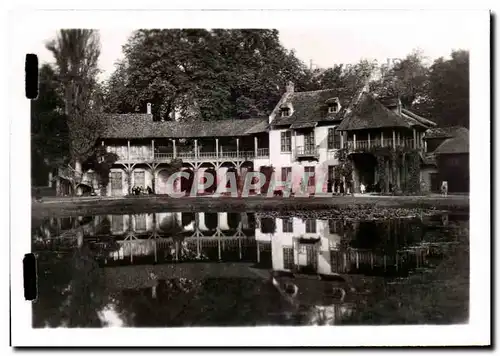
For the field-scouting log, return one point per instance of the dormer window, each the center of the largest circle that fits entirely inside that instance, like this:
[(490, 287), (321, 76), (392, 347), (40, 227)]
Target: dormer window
[(333, 105), (286, 110)]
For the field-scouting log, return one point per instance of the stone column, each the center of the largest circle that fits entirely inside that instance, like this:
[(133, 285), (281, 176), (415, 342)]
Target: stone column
[(394, 139), (354, 141), (128, 149), (414, 138), (217, 147), (237, 147), (342, 140), (256, 145), (382, 139), (369, 144), (153, 149), (174, 148), (195, 148)]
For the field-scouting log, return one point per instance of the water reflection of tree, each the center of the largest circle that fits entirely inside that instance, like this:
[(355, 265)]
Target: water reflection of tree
[(71, 289), (209, 302)]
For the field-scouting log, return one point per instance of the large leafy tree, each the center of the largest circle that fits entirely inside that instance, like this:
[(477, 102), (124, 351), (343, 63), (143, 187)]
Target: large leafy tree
[(49, 129), (405, 78), (347, 78), (209, 75), (448, 90), (76, 52)]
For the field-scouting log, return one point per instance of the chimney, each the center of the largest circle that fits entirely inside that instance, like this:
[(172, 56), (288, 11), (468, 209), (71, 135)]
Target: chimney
[(148, 110), (290, 87)]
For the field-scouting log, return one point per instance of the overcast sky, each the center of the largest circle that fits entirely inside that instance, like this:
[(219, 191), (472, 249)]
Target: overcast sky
[(345, 44)]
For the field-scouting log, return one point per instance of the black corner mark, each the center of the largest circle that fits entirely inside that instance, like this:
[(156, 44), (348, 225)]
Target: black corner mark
[(31, 76), (29, 275)]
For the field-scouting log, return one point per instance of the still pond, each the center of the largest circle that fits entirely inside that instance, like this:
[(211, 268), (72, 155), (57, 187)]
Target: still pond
[(243, 269)]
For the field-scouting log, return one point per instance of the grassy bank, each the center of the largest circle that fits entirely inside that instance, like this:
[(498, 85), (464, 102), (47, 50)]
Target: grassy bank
[(149, 204)]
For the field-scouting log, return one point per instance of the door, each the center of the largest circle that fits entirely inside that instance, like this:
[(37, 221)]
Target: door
[(116, 183), (434, 182), (267, 172)]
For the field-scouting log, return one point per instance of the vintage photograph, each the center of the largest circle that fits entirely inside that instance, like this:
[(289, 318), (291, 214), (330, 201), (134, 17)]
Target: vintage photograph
[(185, 177)]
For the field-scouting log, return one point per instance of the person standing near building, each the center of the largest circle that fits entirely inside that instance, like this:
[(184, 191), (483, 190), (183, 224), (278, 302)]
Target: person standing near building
[(444, 188)]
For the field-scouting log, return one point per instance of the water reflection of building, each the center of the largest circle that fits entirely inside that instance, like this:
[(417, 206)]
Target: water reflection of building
[(333, 246), (183, 236)]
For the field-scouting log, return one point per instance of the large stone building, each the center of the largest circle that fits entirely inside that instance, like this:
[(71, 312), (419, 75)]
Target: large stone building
[(300, 140)]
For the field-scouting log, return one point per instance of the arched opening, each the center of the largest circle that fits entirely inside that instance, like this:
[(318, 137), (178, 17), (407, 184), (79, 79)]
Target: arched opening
[(187, 183), (233, 220), (162, 185), (212, 187), (211, 221)]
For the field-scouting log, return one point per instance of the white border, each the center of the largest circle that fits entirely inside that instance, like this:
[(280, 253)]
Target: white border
[(477, 332)]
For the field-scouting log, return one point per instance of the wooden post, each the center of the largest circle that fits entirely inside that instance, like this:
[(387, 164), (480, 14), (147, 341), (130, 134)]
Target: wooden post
[(237, 147), (175, 148), (153, 149), (382, 139), (256, 145), (399, 139), (217, 147), (258, 252), (342, 140), (394, 139), (354, 140), (196, 148), (425, 146), (102, 143), (369, 144), (414, 138), (421, 140), (128, 149)]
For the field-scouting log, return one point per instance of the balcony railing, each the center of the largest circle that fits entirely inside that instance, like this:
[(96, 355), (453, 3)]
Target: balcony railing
[(230, 155), (301, 151), (366, 145)]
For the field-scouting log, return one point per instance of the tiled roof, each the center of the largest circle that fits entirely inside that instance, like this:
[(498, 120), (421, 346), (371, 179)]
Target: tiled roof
[(419, 119), (369, 113), (455, 145), (442, 132), (311, 106), (143, 126)]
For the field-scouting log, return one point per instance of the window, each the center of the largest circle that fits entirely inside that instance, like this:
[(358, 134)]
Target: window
[(309, 173), (287, 225), (331, 173), (286, 141), (285, 112), (333, 138), (288, 262), (333, 106), (117, 223), (310, 226), (309, 143), (140, 222), (139, 180), (286, 172)]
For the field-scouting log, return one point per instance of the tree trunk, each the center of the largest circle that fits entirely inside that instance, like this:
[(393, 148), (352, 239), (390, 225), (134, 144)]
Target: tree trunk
[(78, 166)]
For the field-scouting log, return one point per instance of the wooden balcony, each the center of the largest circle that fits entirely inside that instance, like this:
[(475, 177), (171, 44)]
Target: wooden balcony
[(306, 152), (361, 145), (201, 156)]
